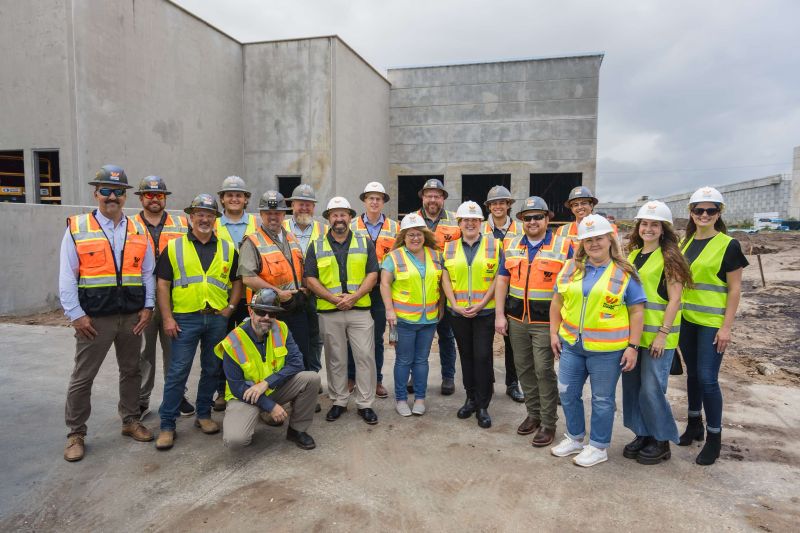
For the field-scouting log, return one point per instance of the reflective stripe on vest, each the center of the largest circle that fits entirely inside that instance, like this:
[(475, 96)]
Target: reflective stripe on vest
[(705, 303), (471, 282), (654, 307), (96, 260), (514, 230), (412, 301), (172, 229), (192, 288), (601, 318), (447, 229), (386, 236), (328, 268), (534, 281), (242, 351), (317, 231), (224, 234)]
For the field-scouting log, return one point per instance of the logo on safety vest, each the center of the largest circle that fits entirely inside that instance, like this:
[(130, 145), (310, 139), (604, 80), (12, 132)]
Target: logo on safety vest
[(136, 261), (448, 238), (611, 303), (489, 266)]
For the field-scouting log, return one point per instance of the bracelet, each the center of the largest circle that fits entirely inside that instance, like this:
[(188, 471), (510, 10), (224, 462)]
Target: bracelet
[(666, 330)]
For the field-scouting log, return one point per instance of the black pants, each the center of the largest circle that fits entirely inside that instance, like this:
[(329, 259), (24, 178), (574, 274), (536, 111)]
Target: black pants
[(313, 361), (474, 337), (511, 370), (297, 322)]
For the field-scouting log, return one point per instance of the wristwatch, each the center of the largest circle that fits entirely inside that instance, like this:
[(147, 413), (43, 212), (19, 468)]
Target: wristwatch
[(232, 307), (634, 346), (149, 308)]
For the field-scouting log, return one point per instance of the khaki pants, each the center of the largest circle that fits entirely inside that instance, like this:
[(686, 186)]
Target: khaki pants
[(356, 327), (300, 390), (89, 356), (534, 361), (147, 358)]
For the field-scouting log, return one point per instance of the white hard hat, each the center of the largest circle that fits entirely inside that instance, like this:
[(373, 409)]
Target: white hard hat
[(594, 226), (655, 210), (469, 210), (374, 186), (412, 220), (338, 202), (707, 194)]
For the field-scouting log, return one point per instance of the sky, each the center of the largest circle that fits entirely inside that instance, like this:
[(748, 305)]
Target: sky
[(692, 93)]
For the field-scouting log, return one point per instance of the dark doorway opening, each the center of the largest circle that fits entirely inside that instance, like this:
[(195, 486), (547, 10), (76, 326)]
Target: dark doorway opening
[(12, 176), (48, 177), (554, 189), (286, 184), (475, 187), (407, 193)]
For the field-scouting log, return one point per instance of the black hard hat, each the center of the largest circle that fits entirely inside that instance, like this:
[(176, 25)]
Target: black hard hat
[(111, 175), (272, 201), (203, 201), (266, 300), (581, 192), (152, 184)]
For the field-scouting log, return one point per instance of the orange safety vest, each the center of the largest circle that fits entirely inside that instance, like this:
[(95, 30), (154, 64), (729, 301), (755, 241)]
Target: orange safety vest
[(173, 228), (386, 237), (275, 268), (570, 231), (514, 229), (530, 287), (447, 229)]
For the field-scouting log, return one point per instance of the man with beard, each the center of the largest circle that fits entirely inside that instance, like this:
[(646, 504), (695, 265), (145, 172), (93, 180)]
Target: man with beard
[(581, 202), (160, 227), (341, 269), (106, 290), (444, 225), (197, 285)]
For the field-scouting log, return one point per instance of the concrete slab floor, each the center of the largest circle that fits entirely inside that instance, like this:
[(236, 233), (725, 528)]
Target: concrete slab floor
[(434, 472)]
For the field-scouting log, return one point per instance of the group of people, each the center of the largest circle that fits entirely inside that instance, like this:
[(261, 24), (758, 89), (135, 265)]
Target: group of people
[(262, 298)]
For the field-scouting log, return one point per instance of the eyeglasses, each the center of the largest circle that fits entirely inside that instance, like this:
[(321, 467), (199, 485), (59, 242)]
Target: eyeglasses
[(260, 312), (538, 216), (415, 236), (433, 196), (107, 191), (711, 211), (152, 195)]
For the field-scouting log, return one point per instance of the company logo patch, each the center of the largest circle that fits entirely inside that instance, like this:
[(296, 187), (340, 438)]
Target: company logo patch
[(612, 300), (589, 223), (576, 190), (136, 261)]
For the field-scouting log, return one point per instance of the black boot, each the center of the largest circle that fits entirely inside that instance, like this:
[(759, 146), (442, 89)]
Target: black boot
[(655, 452), (484, 420), (632, 449), (710, 451), (694, 431), (467, 409)]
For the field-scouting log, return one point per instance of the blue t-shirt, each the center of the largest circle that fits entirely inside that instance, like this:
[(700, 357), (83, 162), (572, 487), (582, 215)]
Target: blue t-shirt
[(236, 229), (389, 266)]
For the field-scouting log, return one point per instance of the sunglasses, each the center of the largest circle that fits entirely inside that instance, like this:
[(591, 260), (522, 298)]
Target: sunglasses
[(528, 218), (711, 211), (151, 195), (260, 312), (106, 191)]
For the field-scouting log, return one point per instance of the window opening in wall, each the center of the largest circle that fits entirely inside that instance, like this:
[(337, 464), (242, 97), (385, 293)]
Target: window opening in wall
[(475, 187), (286, 184), (48, 177), (408, 200), (554, 189), (12, 176)]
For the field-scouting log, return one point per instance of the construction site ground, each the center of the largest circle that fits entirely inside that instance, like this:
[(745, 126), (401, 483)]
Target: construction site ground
[(434, 472)]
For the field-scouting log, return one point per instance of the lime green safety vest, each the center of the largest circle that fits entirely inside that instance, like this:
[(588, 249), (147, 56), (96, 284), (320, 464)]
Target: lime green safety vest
[(193, 289), (705, 303), (655, 306), (223, 233), (601, 318), (328, 269), (409, 298), (242, 351), (471, 282)]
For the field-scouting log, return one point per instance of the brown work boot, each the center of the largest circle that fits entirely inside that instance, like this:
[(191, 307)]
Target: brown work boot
[(268, 420), (543, 437), (220, 404), (528, 426), (206, 425), (380, 391), (137, 431), (74, 449), (166, 439)]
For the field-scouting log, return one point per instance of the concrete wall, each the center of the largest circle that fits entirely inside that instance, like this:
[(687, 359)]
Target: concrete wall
[(794, 202), (516, 117)]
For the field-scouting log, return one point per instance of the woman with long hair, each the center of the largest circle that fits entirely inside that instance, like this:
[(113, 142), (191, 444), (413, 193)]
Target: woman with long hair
[(663, 271), (595, 329), (410, 287), (709, 309)]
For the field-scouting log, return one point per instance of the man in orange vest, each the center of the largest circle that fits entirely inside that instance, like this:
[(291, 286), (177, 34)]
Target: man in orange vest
[(523, 293), (160, 227), (107, 291)]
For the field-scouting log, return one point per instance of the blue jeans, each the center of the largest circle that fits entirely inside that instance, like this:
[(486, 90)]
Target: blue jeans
[(576, 364), (412, 351), (208, 330), (447, 347), (645, 408), (378, 312), (702, 372)]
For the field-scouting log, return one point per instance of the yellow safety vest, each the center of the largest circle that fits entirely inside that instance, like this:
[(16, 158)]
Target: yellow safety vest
[(412, 301), (706, 301), (242, 351), (317, 230), (601, 318), (655, 306), (192, 288), (223, 233), (328, 269), (471, 282), (514, 230)]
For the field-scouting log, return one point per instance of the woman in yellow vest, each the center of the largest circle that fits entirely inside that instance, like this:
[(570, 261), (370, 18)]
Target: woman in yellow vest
[(410, 287), (468, 279), (709, 308), (595, 329), (663, 272)]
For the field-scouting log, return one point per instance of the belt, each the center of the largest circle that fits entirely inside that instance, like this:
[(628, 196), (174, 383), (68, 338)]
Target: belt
[(208, 311)]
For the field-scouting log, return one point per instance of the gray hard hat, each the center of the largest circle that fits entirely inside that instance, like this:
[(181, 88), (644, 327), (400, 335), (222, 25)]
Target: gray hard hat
[(433, 183), (203, 201), (534, 203), (266, 300), (233, 184), (581, 192), (152, 184), (272, 201), (498, 192), (111, 175), (304, 191)]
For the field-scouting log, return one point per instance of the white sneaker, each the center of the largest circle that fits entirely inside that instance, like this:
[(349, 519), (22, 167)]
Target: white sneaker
[(402, 408), (590, 456), (567, 447), (419, 408)]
